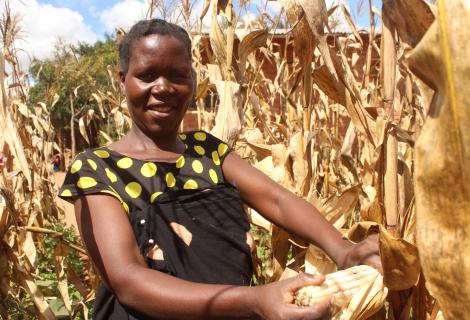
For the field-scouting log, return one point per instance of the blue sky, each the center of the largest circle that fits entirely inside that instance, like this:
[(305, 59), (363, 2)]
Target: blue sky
[(45, 21), (91, 10)]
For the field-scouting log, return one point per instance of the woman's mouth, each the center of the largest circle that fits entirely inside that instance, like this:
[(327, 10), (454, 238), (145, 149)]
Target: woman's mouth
[(160, 111)]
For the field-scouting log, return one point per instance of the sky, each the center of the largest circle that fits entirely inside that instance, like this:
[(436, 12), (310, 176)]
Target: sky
[(43, 22)]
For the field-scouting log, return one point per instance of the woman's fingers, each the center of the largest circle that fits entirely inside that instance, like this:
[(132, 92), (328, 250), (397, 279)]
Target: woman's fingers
[(320, 311), (305, 279), (276, 300)]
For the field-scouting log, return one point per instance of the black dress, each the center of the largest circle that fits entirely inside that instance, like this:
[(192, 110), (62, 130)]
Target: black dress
[(187, 220)]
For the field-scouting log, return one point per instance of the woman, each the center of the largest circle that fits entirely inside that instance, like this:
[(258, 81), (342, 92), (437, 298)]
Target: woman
[(167, 201)]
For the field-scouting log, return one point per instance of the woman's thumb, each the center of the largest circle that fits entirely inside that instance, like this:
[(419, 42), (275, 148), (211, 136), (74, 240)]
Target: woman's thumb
[(306, 279)]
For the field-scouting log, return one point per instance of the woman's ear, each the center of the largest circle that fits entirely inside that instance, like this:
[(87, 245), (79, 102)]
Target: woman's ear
[(122, 79)]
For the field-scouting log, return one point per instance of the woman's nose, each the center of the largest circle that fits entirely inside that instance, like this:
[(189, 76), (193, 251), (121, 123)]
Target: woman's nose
[(162, 87)]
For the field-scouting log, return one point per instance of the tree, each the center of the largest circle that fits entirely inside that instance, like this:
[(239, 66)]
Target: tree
[(72, 76)]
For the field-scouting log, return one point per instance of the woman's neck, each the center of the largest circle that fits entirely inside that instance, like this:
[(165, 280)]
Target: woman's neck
[(137, 143)]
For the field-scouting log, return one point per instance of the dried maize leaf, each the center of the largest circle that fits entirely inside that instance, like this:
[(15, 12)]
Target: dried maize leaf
[(317, 262), (325, 81), (228, 120), (259, 220), (266, 166), (248, 44), (28, 282), (298, 153), (373, 212), (17, 148), (399, 258), (412, 18), (217, 38), (60, 253), (443, 159), (281, 162), (338, 208), (280, 249), (288, 273), (28, 247), (261, 150), (304, 43), (82, 127)]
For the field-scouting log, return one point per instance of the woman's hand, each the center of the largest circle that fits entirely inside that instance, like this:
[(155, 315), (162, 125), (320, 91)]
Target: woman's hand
[(364, 252), (275, 300)]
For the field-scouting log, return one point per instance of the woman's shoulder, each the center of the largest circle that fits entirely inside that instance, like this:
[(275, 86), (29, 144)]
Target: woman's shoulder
[(204, 143)]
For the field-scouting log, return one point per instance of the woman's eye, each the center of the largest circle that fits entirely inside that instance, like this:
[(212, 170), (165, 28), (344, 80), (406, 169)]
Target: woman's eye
[(180, 75), (147, 77)]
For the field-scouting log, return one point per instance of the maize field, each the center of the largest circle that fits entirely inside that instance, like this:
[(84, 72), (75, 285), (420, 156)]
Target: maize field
[(368, 125)]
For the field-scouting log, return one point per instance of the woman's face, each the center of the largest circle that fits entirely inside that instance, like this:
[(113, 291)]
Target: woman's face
[(158, 84)]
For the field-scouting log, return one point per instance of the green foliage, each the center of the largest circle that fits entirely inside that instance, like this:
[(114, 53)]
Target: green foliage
[(263, 254), (47, 279), (81, 69)]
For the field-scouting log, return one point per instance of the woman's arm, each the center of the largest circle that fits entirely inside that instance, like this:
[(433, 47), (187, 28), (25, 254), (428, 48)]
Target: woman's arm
[(108, 236), (296, 215)]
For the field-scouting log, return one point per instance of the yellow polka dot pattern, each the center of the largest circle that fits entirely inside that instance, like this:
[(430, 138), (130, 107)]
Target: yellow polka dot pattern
[(86, 182), (76, 166), (124, 163), (216, 158), (133, 189), (155, 196), (66, 193), (200, 150), (170, 180), (190, 184), (197, 166), (200, 136), (213, 176), (199, 171), (111, 176), (102, 154), (148, 169), (222, 149), (92, 164), (180, 162)]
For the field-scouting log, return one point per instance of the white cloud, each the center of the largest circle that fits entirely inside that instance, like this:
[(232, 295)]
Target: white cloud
[(42, 25), (123, 14)]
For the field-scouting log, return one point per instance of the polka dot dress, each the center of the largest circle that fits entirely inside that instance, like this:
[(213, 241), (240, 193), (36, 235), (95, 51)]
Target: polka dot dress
[(136, 183)]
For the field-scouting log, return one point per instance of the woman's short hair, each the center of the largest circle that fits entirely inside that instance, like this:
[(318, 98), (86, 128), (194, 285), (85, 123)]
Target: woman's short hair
[(145, 28)]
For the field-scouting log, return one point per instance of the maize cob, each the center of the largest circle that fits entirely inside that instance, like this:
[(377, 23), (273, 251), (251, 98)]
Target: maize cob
[(342, 285)]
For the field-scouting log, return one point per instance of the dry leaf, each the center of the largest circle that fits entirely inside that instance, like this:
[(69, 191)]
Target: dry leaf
[(442, 162), (60, 253)]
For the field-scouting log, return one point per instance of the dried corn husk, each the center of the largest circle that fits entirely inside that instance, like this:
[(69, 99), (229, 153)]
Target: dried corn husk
[(443, 159), (358, 292)]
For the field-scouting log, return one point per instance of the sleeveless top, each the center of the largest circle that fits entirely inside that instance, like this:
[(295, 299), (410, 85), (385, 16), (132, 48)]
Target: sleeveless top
[(187, 220)]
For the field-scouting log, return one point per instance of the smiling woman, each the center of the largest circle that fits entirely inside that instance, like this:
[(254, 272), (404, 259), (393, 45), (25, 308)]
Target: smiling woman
[(161, 212), (158, 84)]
